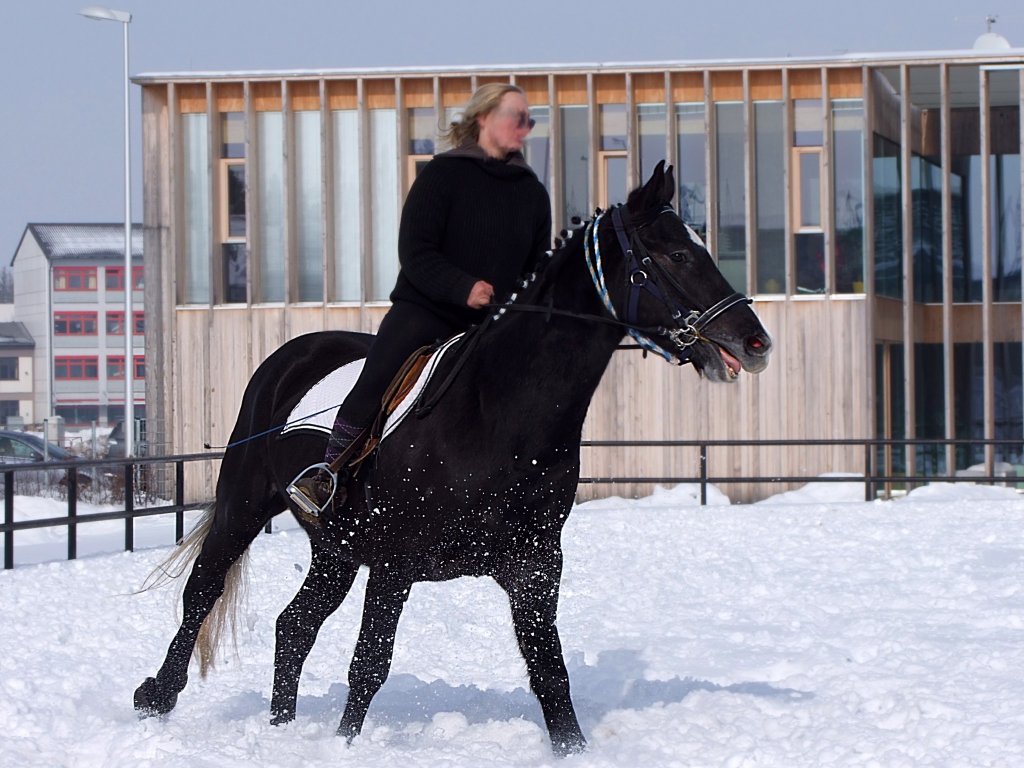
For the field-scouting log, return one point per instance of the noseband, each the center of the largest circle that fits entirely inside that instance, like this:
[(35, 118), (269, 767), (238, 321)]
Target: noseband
[(645, 275)]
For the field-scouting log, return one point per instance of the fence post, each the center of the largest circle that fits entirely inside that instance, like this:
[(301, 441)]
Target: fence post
[(9, 519), (72, 485), (703, 474), (869, 489), (129, 504), (179, 499)]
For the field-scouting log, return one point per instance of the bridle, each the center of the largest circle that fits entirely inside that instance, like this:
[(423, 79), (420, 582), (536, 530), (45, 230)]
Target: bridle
[(645, 275)]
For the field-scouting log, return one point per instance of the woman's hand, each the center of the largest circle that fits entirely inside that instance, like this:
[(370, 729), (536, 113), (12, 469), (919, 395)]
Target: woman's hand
[(481, 295)]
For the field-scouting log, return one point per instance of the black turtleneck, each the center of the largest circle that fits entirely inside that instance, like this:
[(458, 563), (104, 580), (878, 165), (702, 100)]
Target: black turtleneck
[(469, 217)]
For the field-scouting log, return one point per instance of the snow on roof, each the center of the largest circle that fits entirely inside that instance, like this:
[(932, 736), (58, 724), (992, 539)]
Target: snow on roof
[(15, 335), (85, 241)]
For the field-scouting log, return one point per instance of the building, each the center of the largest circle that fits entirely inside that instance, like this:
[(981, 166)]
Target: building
[(17, 349), (69, 285), (869, 204)]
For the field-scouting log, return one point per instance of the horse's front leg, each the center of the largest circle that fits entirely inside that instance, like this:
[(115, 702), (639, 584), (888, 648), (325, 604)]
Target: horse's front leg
[(386, 593), (330, 577), (533, 596)]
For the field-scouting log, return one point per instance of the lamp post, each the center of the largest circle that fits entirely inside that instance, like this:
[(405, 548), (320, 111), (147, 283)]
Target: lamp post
[(99, 13)]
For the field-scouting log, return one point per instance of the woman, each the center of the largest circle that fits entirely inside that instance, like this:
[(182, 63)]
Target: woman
[(475, 219)]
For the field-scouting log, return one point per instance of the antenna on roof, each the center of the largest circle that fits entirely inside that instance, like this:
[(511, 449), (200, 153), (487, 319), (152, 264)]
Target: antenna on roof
[(991, 41)]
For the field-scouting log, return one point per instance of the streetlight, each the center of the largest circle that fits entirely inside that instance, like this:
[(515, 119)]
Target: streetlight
[(99, 13)]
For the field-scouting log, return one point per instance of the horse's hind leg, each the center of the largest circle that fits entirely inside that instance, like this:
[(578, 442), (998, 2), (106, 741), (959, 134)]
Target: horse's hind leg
[(533, 596), (227, 538), (324, 589), (386, 593)]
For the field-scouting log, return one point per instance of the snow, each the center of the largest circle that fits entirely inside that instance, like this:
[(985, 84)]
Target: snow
[(811, 629)]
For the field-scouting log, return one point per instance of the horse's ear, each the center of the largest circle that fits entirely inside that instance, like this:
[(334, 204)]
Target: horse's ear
[(668, 189)]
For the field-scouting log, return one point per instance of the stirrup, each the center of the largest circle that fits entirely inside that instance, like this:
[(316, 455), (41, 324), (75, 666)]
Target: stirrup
[(301, 500)]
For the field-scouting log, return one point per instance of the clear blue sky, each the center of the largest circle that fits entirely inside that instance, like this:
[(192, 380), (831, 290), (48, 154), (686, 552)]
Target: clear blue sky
[(61, 84)]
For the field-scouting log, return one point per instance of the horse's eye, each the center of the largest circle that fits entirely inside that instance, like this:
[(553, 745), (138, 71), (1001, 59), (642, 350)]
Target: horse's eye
[(678, 256)]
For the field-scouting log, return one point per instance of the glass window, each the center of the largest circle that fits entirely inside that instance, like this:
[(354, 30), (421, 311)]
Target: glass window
[(232, 130), (197, 244), (613, 178), (422, 130), (347, 224), (969, 403), (613, 126), (270, 157), (575, 162), (383, 202), (538, 145), (114, 278), (965, 179), (808, 123), (926, 195), (1009, 406), (78, 415), (234, 272), (115, 367), (810, 262), (115, 323), (848, 178), (308, 208), (74, 278), (234, 210), (888, 218), (691, 171), (75, 323), (930, 404), (70, 368), (809, 211), (1005, 183), (770, 153), (9, 369), (652, 127), (732, 214)]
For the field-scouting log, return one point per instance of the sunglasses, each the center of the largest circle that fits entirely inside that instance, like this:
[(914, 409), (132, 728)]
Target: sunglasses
[(523, 119)]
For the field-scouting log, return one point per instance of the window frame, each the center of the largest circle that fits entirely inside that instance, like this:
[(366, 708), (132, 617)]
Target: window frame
[(63, 274), (76, 316), (70, 361)]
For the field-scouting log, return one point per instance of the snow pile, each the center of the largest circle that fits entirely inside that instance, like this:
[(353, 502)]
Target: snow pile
[(804, 632)]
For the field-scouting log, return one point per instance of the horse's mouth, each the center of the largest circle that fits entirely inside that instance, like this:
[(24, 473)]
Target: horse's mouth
[(732, 365)]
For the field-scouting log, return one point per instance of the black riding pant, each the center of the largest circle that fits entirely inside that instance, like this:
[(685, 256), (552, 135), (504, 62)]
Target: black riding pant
[(405, 328)]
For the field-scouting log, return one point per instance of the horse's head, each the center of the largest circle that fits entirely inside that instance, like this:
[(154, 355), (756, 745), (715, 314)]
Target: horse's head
[(671, 283)]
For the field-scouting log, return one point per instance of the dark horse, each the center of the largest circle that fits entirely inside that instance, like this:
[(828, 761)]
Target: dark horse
[(483, 484)]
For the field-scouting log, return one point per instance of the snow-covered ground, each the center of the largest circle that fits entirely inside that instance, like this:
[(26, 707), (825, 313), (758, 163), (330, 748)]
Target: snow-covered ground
[(809, 630)]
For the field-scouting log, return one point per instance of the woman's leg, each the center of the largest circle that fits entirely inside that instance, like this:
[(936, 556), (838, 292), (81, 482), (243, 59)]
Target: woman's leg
[(405, 328)]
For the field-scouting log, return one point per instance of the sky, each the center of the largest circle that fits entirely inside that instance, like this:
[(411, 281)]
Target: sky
[(811, 629), (61, 81)]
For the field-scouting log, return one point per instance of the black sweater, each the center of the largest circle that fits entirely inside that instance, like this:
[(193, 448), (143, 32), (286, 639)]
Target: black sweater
[(467, 218)]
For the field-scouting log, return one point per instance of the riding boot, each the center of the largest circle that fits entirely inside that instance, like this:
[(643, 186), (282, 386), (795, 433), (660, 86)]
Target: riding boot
[(317, 488)]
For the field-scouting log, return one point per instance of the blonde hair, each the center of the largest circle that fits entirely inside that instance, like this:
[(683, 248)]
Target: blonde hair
[(484, 100)]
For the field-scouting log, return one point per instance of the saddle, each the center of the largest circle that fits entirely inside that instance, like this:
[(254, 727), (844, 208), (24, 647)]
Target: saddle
[(366, 442)]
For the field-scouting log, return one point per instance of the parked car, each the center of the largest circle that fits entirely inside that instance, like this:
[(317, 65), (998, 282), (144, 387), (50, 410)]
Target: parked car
[(26, 448), (115, 443)]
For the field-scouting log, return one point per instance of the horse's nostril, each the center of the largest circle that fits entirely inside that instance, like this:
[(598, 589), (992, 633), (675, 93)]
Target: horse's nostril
[(756, 344)]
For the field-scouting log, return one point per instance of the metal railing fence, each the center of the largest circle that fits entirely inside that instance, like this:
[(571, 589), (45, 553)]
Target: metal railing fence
[(174, 467)]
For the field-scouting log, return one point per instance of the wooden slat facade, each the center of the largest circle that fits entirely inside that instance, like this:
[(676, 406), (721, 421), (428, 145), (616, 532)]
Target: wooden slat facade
[(821, 383)]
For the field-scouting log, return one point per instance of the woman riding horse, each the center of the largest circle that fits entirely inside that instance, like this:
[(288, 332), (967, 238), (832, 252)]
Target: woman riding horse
[(476, 218)]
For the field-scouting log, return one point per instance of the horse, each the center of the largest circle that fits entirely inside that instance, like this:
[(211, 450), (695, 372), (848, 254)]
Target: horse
[(481, 482)]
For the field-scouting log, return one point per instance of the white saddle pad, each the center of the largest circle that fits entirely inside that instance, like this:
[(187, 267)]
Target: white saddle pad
[(318, 408)]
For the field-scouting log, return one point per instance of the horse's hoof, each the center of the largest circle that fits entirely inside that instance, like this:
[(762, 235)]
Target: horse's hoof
[(566, 747), (150, 701), (280, 718)]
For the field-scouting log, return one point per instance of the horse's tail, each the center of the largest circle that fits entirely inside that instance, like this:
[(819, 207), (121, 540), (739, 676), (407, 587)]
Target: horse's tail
[(224, 613)]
